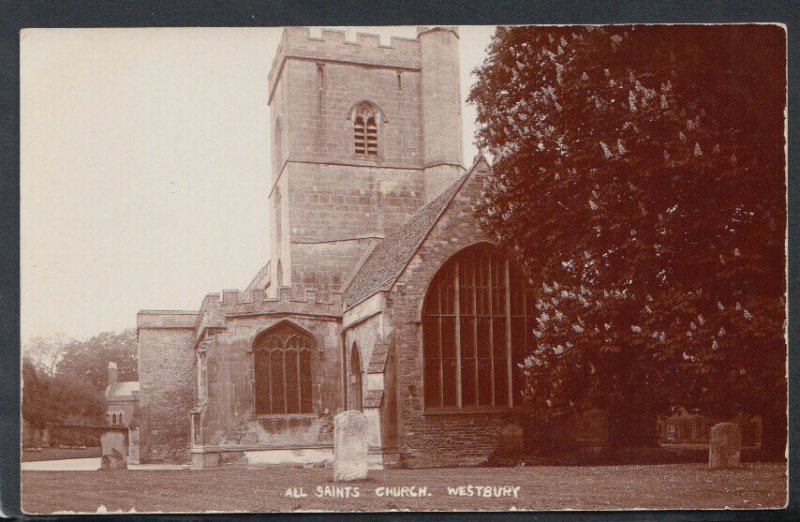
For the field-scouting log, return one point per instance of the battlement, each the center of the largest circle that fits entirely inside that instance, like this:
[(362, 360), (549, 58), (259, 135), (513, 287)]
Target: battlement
[(333, 46), (230, 302), (166, 319)]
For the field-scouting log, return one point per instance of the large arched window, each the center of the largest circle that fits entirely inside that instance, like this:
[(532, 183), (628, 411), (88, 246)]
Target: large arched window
[(477, 322), (283, 371)]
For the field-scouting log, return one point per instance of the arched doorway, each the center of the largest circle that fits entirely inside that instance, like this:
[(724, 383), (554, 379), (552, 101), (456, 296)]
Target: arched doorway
[(356, 378)]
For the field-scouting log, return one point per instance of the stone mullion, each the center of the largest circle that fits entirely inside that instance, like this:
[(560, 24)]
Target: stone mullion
[(509, 363), (266, 368), (491, 328), (475, 373), (439, 337), (269, 370), (457, 304), (299, 382), (283, 373)]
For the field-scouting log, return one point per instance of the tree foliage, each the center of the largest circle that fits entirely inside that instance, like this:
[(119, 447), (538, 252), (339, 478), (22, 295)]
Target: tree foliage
[(639, 179), (64, 380), (88, 360), (34, 409)]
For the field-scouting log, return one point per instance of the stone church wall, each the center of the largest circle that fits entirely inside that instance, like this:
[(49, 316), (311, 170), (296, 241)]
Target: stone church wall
[(437, 439), (365, 335), (166, 356), (228, 421)]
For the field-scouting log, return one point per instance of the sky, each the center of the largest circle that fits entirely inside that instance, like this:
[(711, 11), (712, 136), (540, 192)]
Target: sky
[(144, 167)]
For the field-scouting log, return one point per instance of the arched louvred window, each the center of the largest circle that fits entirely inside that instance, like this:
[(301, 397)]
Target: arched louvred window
[(283, 371), (366, 122), (477, 323)]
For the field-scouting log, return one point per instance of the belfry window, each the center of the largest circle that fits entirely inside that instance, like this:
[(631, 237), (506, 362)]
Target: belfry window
[(283, 371), (477, 322), (366, 125), (366, 136)]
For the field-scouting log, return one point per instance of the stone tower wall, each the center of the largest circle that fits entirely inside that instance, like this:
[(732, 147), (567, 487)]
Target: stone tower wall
[(441, 108), (326, 198)]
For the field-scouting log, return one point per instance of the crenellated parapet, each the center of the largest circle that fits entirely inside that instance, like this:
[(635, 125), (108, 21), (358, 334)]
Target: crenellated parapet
[(218, 307), (332, 45)]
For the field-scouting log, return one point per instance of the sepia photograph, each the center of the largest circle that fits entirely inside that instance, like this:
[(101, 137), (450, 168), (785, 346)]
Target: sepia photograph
[(403, 268)]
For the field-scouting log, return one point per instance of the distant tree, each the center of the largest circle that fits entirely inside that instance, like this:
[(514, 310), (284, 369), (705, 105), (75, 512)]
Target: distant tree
[(71, 391), (88, 360), (46, 352), (74, 401), (35, 395), (639, 179)]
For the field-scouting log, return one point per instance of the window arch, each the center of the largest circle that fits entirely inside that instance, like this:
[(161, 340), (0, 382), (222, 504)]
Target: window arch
[(356, 377), (477, 323), (367, 119), (283, 371)]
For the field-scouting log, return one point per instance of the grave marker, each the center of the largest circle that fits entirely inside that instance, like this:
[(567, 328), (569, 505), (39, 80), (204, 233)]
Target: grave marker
[(350, 446)]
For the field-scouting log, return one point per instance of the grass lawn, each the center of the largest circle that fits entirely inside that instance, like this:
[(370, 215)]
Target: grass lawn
[(58, 454), (669, 486)]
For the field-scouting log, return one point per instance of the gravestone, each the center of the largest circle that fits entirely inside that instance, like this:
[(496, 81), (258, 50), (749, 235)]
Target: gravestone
[(114, 450), (511, 438), (724, 450), (350, 446)]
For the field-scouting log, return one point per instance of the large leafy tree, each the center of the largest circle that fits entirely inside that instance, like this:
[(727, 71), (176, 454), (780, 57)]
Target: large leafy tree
[(639, 178), (34, 394), (88, 360)]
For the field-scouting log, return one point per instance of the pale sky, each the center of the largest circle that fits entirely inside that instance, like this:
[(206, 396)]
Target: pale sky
[(144, 167)]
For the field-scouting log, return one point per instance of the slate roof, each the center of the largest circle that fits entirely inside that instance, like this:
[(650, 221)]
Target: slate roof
[(389, 257), (122, 389)]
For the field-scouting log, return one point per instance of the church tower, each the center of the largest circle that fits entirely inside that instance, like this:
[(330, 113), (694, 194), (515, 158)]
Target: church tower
[(363, 135)]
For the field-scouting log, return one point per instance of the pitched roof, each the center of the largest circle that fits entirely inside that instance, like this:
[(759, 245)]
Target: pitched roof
[(122, 389), (389, 257)]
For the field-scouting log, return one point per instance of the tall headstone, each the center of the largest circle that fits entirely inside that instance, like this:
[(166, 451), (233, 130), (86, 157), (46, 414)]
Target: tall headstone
[(350, 446), (724, 450), (114, 449), (511, 438)]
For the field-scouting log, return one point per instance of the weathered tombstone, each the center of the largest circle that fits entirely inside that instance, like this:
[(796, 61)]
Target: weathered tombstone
[(114, 450), (511, 438), (725, 447), (350, 450)]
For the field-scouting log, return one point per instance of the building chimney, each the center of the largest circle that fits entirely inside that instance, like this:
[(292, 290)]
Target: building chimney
[(112, 373)]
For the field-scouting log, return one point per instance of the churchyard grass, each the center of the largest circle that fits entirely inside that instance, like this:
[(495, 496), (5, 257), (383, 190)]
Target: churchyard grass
[(58, 454), (668, 486)]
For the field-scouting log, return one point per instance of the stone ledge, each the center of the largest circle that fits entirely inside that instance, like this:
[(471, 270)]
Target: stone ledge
[(166, 319), (259, 447)]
